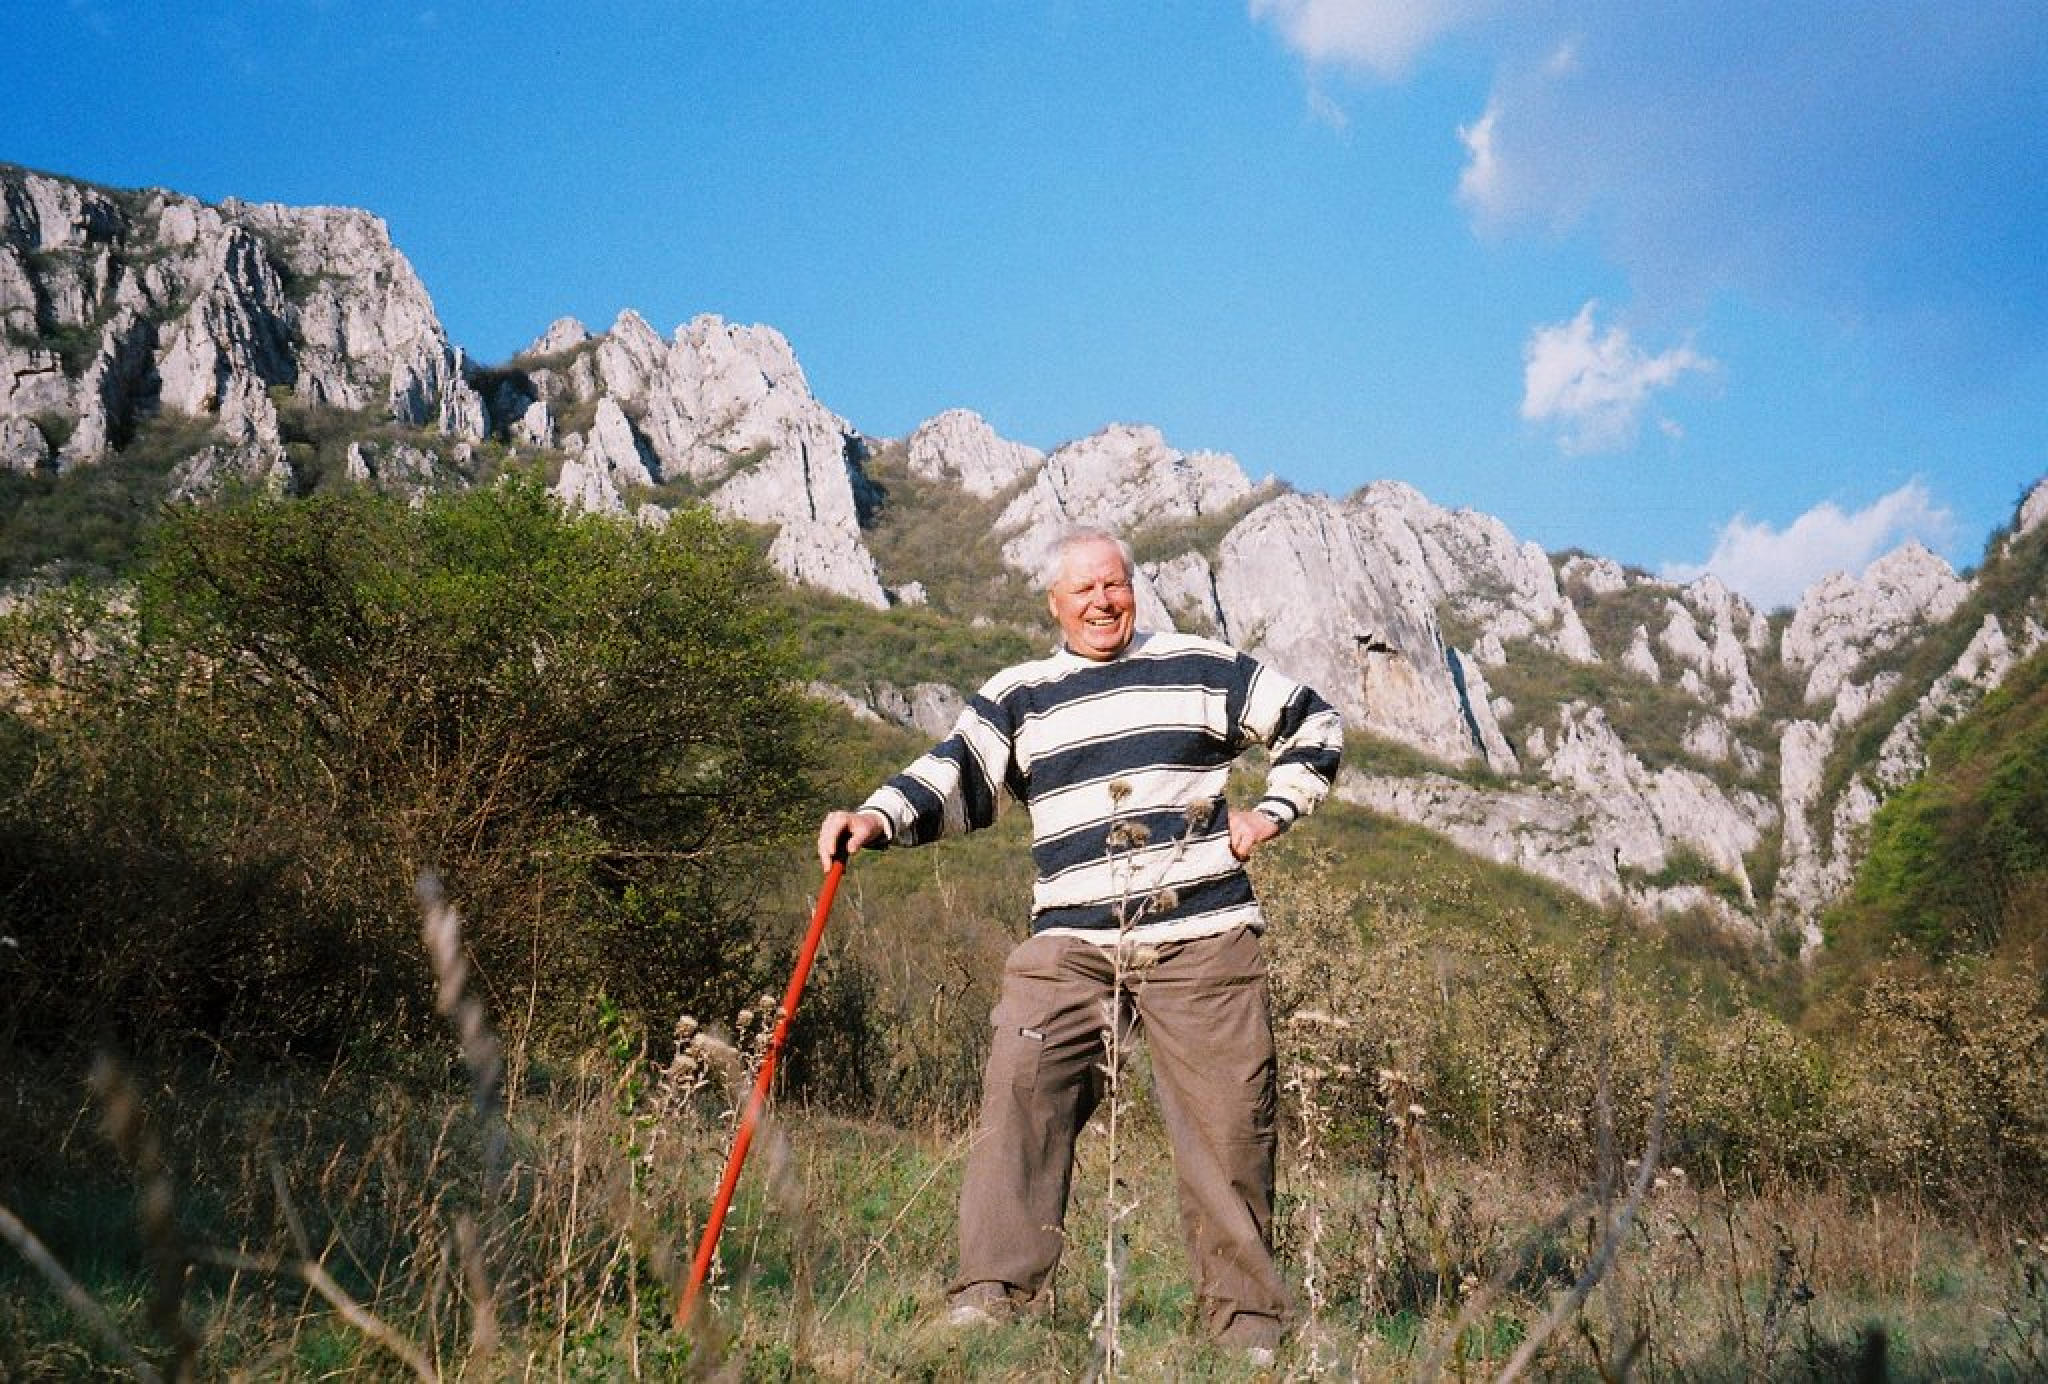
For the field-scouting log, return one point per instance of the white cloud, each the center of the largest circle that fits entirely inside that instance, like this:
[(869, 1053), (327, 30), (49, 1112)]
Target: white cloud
[(1875, 165), (1774, 567), (1381, 36), (1595, 385), (1326, 110), (1479, 186)]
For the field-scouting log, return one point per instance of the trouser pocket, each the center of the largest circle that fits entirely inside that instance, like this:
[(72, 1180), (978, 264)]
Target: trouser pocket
[(1015, 1055)]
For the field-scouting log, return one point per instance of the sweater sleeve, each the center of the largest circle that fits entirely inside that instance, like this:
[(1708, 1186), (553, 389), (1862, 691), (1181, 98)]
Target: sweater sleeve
[(1305, 736), (951, 789)]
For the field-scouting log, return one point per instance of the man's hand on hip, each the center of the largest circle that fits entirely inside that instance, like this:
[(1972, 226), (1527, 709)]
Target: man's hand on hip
[(1250, 830)]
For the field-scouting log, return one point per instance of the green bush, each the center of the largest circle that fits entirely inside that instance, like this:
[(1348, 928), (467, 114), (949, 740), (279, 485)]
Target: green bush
[(591, 730), (1946, 1082)]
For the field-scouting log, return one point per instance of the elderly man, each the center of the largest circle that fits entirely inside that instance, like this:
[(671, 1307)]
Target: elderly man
[(1120, 743)]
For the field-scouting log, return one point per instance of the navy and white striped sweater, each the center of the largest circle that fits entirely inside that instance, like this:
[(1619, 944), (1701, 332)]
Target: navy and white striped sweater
[(1123, 766)]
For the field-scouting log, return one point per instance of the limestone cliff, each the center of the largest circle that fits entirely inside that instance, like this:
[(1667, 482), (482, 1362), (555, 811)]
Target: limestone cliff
[(718, 411), (120, 305)]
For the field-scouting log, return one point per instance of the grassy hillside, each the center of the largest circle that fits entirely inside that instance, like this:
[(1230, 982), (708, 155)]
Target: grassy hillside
[(1958, 860), (91, 520), (2012, 586)]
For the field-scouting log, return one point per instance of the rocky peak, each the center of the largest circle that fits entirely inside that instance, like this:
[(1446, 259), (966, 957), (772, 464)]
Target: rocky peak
[(202, 309), (1597, 575), (2033, 510), (727, 409), (1124, 477), (1708, 629), (563, 335), (1843, 620), (1473, 565), (53, 213), (1367, 639), (958, 446)]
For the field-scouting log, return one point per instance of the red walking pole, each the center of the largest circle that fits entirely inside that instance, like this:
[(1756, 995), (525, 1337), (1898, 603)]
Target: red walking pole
[(686, 1310)]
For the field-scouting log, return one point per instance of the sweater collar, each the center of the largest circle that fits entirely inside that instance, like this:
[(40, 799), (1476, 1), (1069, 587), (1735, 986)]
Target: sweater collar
[(1138, 641)]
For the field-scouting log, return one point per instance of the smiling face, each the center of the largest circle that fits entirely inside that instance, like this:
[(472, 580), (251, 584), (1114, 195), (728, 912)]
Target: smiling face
[(1092, 602)]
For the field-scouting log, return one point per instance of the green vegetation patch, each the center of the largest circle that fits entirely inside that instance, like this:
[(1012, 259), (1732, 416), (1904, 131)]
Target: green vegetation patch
[(2008, 586), (92, 520), (943, 536), (1612, 617), (591, 730), (1684, 866), (854, 646), (1959, 858)]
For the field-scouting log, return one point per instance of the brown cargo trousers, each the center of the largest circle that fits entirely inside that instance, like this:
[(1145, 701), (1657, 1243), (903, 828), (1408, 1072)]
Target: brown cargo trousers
[(1202, 1007)]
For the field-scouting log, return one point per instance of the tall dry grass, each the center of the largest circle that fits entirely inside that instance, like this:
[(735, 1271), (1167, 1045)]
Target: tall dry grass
[(1458, 1193)]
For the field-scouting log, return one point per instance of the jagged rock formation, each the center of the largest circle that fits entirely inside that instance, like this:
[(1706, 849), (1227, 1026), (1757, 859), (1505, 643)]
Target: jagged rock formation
[(1847, 635), (1716, 658), (1843, 621), (1714, 739), (1605, 825), (1123, 477), (120, 304), (929, 708), (959, 446), (1369, 637), (722, 410)]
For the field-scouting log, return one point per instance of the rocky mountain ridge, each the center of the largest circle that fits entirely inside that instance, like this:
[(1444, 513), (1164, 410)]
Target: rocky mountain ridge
[(1661, 746)]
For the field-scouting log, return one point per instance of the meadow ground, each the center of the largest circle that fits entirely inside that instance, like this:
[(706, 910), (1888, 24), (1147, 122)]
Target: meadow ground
[(325, 1229)]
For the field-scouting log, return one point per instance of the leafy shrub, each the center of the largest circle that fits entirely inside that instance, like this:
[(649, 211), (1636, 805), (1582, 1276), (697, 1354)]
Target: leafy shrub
[(1502, 1020), (1945, 1088), (590, 729)]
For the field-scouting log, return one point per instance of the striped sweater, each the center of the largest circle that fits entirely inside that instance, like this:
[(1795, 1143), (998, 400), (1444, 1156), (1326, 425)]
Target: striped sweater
[(1123, 766)]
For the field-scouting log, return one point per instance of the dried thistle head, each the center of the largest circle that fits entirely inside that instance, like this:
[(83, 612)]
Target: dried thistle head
[(1119, 790), (1200, 814), (1128, 836), (1140, 957)]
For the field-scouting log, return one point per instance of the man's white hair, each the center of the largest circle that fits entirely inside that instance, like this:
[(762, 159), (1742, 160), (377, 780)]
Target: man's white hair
[(1082, 537)]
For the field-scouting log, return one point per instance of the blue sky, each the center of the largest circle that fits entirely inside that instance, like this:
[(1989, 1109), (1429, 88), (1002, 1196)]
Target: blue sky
[(1754, 287)]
